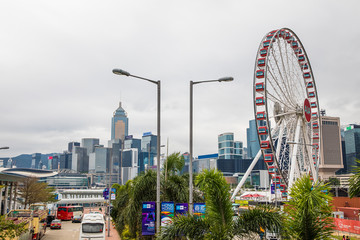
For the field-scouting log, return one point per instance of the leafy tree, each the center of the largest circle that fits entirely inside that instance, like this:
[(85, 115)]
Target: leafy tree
[(121, 202), (219, 222), (174, 162), (9, 229), (334, 181), (309, 211), (33, 191), (248, 185)]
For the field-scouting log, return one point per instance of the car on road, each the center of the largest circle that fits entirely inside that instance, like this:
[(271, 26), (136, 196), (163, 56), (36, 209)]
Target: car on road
[(55, 224), (76, 218), (49, 219)]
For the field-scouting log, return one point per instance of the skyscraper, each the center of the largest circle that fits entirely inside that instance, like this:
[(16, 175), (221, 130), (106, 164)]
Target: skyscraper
[(80, 160), (35, 161), (148, 150), (331, 154), (228, 148), (352, 145), (226, 145), (71, 145), (253, 145), (119, 124)]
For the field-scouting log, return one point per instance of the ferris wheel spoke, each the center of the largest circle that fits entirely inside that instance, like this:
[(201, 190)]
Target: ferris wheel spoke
[(297, 80), (282, 60), (294, 81), (288, 91), (279, 86), (295, 86), (280, 140), (288, 69), (275, 99)]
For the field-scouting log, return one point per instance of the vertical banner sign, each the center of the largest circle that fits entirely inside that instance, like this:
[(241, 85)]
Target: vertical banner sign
[(182, 208), (199, 210), (106, 193), (148, 218), (113, 194), (272, 189), (167, 213)]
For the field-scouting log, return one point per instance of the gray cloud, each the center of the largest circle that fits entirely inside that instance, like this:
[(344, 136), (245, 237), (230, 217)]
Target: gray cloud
[(56, 62)]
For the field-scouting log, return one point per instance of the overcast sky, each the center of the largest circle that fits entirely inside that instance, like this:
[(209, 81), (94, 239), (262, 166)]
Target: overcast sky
[(56, 61)]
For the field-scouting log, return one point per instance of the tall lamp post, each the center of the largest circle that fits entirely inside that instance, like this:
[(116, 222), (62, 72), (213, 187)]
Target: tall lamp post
[(125, 73), (224, 79)]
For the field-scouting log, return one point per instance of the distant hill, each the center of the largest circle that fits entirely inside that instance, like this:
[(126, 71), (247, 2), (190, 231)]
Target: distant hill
[(24, 160)]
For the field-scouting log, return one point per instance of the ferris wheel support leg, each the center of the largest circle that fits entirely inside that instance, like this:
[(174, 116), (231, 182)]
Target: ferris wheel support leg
[(280, 140), (247, 173), (308, 147), (294, 163)]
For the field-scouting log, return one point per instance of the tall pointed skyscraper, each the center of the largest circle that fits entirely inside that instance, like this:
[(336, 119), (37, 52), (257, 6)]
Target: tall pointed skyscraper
[(119, 124)]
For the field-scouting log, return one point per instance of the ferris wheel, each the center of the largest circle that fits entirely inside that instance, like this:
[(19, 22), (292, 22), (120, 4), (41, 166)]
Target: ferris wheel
[(286, 109)]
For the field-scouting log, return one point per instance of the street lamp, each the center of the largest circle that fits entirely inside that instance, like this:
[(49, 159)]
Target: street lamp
[(224, 79), (125, 73), (1, 148)]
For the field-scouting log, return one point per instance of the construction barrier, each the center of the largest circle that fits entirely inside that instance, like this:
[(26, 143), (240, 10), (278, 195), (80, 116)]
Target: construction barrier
[(346, 225)]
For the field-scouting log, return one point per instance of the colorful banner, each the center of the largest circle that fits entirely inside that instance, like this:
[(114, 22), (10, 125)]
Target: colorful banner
[(113, 194), (182, 208), (346, 225), (148, 218), (199, 210), (167, 213), (106, 193)]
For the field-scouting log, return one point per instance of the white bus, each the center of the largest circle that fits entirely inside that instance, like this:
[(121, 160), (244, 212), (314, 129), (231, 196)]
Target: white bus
[(92, 227)]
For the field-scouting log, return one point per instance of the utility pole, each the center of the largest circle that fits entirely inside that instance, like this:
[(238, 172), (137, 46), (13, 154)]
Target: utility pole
[(109, 196)]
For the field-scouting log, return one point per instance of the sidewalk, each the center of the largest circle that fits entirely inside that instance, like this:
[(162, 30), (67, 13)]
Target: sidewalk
[(113, 233), (351, 235)]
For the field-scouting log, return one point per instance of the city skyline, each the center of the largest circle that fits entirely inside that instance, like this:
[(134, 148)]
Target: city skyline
[(57, 61)]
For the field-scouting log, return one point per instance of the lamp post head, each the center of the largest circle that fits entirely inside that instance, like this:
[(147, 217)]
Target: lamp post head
[(226, 79), (120, 72), (4, 147)]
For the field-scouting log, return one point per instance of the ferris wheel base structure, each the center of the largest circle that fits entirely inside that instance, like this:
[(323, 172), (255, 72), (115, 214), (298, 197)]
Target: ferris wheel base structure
[(286, 110)]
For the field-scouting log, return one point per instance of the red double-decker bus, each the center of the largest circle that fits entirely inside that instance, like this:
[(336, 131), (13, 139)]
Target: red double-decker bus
[(67, 212)]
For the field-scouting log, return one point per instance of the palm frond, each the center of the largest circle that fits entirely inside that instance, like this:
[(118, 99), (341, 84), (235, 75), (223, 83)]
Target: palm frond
[(354, 181), (257, 219), (185, 226)]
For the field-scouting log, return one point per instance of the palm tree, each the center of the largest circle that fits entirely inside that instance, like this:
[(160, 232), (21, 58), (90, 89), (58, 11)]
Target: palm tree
[(309, 211), (218, 222), (129, 198), (174, 162), (354, 188)]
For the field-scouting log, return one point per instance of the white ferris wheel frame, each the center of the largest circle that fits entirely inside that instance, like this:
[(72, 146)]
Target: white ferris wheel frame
[(297, 150)]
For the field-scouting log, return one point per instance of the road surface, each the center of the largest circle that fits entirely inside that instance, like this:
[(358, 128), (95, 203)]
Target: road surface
[(68, 231)]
